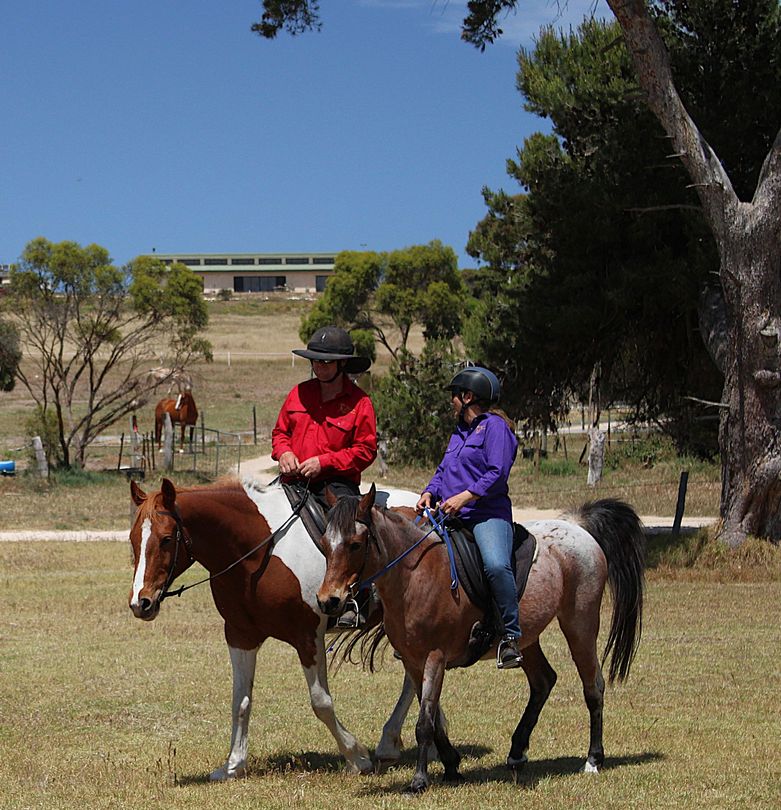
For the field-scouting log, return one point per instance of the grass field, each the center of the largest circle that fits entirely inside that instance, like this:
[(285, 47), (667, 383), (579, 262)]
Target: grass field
[(99, 710)]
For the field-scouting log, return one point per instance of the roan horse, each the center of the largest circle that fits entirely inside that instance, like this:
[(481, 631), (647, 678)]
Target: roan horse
[(429, 624), (181, 409), (265, 571)]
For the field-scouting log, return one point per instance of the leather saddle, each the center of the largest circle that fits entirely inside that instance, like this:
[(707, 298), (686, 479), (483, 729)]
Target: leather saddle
[(471, 576)]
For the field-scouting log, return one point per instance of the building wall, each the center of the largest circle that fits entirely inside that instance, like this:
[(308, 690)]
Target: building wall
[(257, 272)]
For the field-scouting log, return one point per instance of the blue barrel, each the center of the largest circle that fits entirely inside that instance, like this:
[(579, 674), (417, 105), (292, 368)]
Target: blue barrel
[(7, 467)]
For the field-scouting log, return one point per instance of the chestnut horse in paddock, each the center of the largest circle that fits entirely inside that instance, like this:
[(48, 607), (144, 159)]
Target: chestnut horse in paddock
[(265, 570), (182, 410), (429, 624)]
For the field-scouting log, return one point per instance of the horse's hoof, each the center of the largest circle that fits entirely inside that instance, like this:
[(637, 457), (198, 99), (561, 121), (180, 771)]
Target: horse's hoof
[(383, 764), (590, 767), (418, 784), (224, 774), (516, 763), (362, 766), (454, 778)]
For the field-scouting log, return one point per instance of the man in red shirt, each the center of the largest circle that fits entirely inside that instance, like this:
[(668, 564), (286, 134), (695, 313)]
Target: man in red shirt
[(326, 431)]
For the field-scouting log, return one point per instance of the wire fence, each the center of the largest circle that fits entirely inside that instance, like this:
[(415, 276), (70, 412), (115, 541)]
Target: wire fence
[(208, 452)]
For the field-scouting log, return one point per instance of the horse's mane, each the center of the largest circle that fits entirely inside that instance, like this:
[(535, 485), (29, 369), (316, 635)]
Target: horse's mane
[(368, 645)]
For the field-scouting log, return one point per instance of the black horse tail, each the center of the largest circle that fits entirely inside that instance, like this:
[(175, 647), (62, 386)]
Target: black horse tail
[(619, 532)]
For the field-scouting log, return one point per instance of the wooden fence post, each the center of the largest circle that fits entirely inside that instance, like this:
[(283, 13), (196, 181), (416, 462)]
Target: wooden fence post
[(681, 504), (168, 443), (40, 457)]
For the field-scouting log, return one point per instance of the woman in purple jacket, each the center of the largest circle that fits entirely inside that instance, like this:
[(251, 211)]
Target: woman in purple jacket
[(471, 482)]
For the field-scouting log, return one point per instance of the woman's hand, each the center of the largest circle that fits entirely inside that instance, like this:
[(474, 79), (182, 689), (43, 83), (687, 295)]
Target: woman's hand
[(455, 503), (424, 502)]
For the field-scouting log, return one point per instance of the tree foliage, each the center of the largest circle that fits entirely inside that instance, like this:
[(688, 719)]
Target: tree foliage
[(387, 294), (415, 397), (92, 331), (742, 222), (602, 261), (10, 354)]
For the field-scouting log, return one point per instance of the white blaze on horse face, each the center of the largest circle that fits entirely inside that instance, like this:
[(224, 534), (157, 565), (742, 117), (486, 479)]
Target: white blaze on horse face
[(138, 580), (295, 548)]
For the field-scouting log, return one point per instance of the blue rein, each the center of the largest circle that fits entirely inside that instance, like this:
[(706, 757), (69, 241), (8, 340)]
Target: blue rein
[(437, 526)]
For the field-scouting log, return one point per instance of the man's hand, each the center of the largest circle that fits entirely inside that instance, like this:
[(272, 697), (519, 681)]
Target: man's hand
[(288, 463), (454, 504), (310, 468), (423, 503)]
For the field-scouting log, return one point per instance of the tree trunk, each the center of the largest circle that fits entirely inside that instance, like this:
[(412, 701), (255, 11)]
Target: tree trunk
[(749, 428), (748, 236)]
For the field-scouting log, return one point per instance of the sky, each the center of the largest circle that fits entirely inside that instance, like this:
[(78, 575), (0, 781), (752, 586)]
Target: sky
[(168, 125)]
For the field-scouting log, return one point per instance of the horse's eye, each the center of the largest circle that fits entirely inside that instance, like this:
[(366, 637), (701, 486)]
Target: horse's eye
[(355, 547), (164, 541)]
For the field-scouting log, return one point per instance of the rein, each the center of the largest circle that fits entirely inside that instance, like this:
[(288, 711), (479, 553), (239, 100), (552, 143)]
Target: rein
[(437, 526), (181, 537)]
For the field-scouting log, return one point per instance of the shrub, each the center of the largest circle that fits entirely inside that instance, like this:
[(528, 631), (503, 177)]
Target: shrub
[(413, 410)]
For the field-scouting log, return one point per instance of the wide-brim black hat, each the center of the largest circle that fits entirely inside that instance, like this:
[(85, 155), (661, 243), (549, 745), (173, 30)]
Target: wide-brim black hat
[(333, 343)]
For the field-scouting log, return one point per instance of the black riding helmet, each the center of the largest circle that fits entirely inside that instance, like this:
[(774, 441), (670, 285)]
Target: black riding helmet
[(483, 383)]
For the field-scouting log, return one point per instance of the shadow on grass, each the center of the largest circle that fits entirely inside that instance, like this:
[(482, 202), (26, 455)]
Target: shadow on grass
[(527, 778), (281, 763)]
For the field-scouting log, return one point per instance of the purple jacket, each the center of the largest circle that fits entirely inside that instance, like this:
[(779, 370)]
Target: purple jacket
[(478, 458)]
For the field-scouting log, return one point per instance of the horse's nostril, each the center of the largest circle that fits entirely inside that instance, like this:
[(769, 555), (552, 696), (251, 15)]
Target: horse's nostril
[(330, 605), (145, 604)]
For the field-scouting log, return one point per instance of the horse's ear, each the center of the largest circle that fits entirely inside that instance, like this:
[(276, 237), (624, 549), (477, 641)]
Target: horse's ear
[(330, 498), (367, 501), (168, 491), (137, 495)]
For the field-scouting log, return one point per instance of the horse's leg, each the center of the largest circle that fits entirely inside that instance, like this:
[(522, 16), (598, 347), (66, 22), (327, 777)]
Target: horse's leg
[(542, 678), (430, 727), (357, 756), (388, 749), (243, 664), (581, 629)]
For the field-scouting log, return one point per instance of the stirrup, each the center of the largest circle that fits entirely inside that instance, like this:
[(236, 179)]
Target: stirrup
[(511, 661), (350, 618)]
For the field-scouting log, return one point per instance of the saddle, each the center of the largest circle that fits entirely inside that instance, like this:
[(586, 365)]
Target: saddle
[(310, 510), (471, 576), (314, 517)]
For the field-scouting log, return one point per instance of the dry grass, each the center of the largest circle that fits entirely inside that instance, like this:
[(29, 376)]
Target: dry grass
[(260, 334), (99, 710)]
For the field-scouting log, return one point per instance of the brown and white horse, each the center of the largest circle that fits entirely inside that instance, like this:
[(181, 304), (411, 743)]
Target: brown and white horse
[(429, 624), (182, 410), (270, 593)]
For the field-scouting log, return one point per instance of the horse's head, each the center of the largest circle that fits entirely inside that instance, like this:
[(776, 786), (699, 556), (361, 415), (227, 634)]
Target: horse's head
[(346, 546), (160, 548)]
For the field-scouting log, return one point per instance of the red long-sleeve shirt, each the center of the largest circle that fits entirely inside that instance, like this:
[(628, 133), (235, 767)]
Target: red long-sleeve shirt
[(342, 432)]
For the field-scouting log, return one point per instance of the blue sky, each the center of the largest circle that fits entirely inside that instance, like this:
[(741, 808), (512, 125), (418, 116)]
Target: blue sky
[(167, 124)]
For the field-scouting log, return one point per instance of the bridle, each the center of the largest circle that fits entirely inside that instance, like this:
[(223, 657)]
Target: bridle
[(182, 539), (437, 526)]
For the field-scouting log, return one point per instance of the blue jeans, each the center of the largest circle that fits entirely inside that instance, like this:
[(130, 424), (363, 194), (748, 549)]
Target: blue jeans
[(494, 538)]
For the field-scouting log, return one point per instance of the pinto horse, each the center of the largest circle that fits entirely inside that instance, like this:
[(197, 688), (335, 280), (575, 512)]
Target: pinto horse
[(181, 409), (265, 571), (429, 624)]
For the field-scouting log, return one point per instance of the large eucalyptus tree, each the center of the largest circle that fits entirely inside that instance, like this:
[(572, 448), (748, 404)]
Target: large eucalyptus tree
[(747, 233)]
